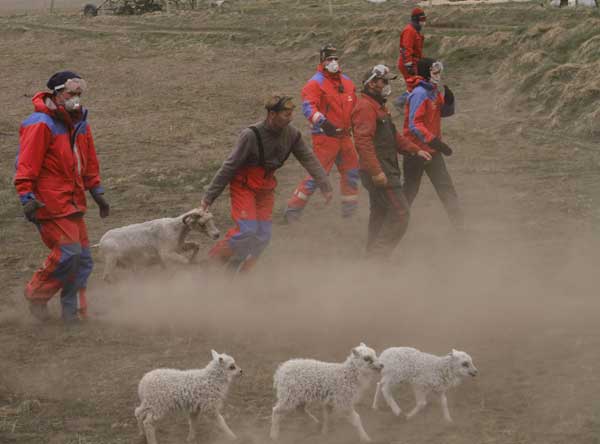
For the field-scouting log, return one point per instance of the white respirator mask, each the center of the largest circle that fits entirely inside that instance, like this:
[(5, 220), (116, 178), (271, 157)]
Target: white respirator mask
[(73, 104), (436, 73), (332, 66)]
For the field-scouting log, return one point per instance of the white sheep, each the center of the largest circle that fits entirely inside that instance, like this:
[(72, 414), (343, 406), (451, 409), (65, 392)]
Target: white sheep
[(197, 392), (336, 386), (425, 372), (159, 240)]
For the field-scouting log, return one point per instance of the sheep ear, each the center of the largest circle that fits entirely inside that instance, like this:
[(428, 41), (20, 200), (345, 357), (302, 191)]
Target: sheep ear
[(186, 219), (214, 354)]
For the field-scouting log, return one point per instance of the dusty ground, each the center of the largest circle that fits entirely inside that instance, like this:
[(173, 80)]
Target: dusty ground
[(168, 96)]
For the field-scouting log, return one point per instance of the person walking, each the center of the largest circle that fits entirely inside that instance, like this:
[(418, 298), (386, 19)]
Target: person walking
[(378, 144), (327, 102), (56, 163), (250, 173), (425, 107)]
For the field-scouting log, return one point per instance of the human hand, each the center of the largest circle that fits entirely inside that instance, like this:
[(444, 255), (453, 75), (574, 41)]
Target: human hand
[(329, 129), (102, 204), (380, 180), (440, 146), (424, 155), (204, 205), (29, 209)]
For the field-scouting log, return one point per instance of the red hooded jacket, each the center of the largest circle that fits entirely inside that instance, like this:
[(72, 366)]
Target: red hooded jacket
[(365, 118), (328, 96), (424, 110), (56, 161)]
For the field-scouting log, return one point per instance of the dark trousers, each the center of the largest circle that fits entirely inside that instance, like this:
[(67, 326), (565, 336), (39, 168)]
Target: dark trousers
[(388, 218), (414, 167)]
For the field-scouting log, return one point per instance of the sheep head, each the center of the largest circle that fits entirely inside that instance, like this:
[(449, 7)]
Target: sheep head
[(201, 220), (227, 363), (462, 363), (366, 358)]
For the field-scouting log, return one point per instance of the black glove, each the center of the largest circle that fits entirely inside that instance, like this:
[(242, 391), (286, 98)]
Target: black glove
[(329, 129), (440, 146), (448, 96), (102, 204), (29, 209)]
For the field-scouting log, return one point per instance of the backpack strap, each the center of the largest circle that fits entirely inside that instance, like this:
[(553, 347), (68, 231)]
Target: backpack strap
[(261, 148)]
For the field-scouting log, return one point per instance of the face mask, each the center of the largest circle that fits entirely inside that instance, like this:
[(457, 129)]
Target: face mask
[(436, 78), (386, 91), (332, 66), (73, 104)]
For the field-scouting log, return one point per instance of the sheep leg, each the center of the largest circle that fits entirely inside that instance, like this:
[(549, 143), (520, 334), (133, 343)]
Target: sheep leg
[(354, 419), (377, 396), (278, 412), (386, 391), (140, 424), (444, 403), (224, 427), (421, 397), (110, 263), (310, 415), (326, 412), (150, 429), (192, 417)]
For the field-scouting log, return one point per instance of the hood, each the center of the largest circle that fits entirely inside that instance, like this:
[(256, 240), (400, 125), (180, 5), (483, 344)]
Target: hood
[(43, 103)]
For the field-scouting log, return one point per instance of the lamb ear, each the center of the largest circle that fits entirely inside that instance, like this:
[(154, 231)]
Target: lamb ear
[(186, 219), (214, 354)]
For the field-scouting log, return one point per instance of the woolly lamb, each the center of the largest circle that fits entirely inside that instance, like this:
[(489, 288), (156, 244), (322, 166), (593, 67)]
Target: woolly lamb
[(426, 373), (337, 386), (159, 240), (195, 391)]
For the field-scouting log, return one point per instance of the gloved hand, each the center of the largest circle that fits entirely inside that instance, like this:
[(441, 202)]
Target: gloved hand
[(440, 146), (410, 67), (102, 204), (29, 209), (329, 129), (380, 180)]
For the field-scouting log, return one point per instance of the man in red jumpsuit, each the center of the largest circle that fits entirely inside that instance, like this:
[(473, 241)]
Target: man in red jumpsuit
[(327, 102), (56, 163), (411, 51), (378, 144), (250, 173), (428, 102)]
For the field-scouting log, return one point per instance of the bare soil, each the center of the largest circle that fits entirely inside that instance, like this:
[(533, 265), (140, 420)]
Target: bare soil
[(168, 96)]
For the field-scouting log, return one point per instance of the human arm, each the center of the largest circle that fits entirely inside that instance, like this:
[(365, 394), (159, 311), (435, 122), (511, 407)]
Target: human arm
[(91, 176), (230, 166), (364, 125)]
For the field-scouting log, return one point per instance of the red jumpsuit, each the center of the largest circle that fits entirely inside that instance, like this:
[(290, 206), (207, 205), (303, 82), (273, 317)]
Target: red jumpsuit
[(249, 172), (330, 97), (56, 163), (411, 50)]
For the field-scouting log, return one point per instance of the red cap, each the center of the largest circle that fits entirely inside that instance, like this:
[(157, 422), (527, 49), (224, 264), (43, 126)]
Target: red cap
[(418, 13)]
